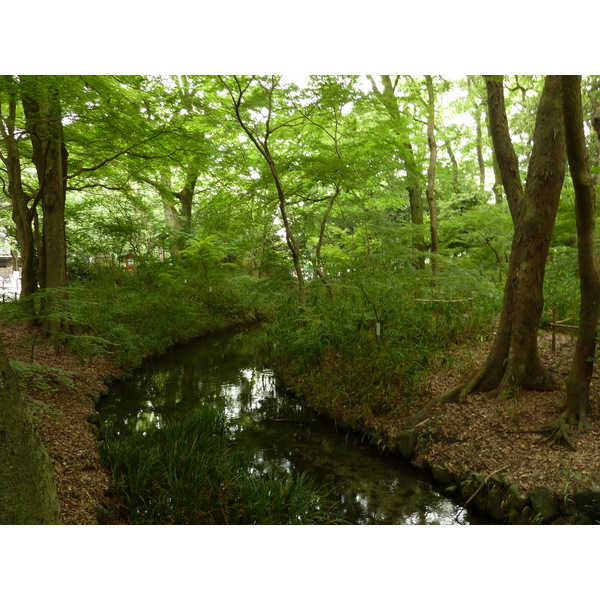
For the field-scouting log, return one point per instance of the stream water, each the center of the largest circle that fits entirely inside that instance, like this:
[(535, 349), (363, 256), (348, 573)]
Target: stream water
[(282, 433)]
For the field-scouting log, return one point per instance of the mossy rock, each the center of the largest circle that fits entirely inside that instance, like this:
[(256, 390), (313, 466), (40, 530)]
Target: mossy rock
[(525, 517), (587, 501), (441, 474), (406, 444), (544, 503), (496, 502), (516, 498)]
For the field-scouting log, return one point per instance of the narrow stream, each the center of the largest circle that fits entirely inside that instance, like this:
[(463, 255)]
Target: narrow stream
[(283, 434)]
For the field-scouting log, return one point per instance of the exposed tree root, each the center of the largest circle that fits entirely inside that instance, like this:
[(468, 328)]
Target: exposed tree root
[(454, 395), (497, 384), (557, 432)]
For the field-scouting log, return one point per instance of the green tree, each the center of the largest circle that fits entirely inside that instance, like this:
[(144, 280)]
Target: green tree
[(400, 126), (513, 362)]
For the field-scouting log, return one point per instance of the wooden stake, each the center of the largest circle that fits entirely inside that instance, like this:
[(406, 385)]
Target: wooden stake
[(554, 330)]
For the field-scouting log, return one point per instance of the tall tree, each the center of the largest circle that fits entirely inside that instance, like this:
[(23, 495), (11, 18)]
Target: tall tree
[(578, 383), (388, 99), (513, 362), (239, 91), (430, 191), (41, 103)]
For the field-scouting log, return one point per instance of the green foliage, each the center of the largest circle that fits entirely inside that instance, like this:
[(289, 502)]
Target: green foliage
[(42, 377), (190, 472), (160, 305)]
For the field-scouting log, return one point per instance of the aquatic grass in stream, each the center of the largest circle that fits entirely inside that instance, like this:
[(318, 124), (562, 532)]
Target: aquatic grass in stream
[(190, 472)]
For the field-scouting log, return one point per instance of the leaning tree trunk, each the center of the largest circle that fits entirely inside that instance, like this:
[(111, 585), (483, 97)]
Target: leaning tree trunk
[(514, 363), (28, 492), (262, 145), (578, 383), (506, 158)]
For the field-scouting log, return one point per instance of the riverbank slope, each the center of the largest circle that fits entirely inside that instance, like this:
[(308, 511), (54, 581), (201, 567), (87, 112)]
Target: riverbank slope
[(479, 436), (464, 444)]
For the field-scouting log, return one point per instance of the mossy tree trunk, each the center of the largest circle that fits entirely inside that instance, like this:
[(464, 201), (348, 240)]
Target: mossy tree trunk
[(44, 124), (41, 104), (27, 486), (504, 153)]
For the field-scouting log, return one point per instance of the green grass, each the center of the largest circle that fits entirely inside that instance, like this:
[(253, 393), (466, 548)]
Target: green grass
[(190, 472)]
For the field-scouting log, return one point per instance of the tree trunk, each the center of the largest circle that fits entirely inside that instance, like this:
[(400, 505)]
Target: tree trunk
[(508, 163), (262, 145), (430, 192), (186, 196), (28, 492), (319, 265), (477, 103), (578, 383), (454, 167), (497, 186), (22, 213), (43, 113), (514, 363), (479, 147)]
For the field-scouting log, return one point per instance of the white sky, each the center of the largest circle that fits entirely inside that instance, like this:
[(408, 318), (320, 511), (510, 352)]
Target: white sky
[(318, 36)]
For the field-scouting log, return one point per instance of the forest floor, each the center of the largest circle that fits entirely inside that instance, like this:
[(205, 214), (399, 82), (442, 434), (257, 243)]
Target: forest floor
[(485, 435), (479, 434)]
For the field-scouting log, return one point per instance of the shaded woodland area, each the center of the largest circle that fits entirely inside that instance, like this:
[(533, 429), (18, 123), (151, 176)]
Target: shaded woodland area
[(381, 227)]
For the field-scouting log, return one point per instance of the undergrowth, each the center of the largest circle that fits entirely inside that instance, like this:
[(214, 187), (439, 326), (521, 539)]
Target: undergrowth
[(365, 354), (191, 472)]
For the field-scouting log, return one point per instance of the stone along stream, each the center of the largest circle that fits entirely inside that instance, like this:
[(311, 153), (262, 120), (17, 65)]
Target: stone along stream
[(282, 433)]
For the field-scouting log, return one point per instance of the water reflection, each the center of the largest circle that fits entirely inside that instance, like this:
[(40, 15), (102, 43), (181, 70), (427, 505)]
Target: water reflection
[(283, 435)]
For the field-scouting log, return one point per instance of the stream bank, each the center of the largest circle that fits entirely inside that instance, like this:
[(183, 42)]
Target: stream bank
[(281, 435), (476, 437), (484, 451)]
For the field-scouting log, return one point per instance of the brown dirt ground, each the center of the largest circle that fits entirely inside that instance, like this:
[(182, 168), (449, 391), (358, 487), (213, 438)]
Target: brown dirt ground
[(479, 434), (482, 434)]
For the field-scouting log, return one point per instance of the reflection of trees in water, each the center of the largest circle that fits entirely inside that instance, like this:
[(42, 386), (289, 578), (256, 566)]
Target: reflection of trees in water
[(283, 435)]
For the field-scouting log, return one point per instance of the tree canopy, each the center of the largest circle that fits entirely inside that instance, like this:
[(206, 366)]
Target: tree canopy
[(343, 196)]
